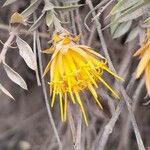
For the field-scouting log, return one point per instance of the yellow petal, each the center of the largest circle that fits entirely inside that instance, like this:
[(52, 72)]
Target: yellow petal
[(56, 38), (52, 69), (65, 107), (80, 51), (112, 73), (70, 61), (147, 78), (115, 94), (96, 61), (91, 88), (142, 49), (47, 68), (86, 48), (82, 108), (78, 59), (91, 78), (54, 95), (70, 81), (60, 64), (50, 88), (61, 107), (55, 53), (49, 50), (143, 62), (148, 33), (54, 79), (66, 40), (70, 90), (83, 54), (76, 38)]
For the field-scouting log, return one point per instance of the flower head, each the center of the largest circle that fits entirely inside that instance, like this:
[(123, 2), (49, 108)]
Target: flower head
[(144, 64), (74, 68)]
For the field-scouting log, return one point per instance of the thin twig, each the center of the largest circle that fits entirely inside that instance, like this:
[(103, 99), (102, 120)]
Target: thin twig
[(92, 33), (34, 49), (125, 135), (110, 125), (71, 123), (73, 23), (89, 13), (24, 31), (7, 44), (133, 120), (79, 23), (78, 134), (102, 9)]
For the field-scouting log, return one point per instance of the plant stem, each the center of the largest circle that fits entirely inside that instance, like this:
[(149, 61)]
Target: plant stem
[(7, 44)]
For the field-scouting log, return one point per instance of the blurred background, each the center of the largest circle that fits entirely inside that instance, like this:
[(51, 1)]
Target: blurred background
[(24, 122)]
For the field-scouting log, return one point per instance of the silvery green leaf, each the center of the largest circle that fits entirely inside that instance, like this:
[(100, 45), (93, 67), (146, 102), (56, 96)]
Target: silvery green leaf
[(114, 26), (26, 53), (133, 34), (122, 29), (57, 24), (67, 7), (5, 91), (142, 36), (68, 1), (29, 10), (126, 13), (14, 76), (8, 2), (48, 6), (49, 18), (147, 21), (134, 13), (123, 5), (37, 23)]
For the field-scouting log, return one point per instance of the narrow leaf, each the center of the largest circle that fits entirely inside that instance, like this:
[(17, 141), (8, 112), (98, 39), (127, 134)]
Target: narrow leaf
[(134, 13), (133, 34), (14, 76), (142, 64), (142, 36), (120, 15), (29, 10), (48, 6), (114, 26), (37, 22), (5, 91), (60, 8), (147, 78), (57, 24), (122, 29), (123, 5), (49, 18), (26, 53), (147, 21), (8, 2)]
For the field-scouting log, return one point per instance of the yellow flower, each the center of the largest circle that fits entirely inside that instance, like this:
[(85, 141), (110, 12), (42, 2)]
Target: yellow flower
[(74, 68), (144, 64)]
